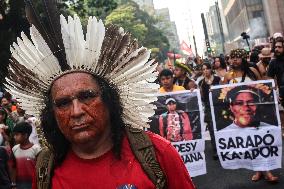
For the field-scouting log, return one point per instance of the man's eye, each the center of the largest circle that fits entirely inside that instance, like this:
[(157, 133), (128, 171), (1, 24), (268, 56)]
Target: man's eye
[(238, 103), (87, 95), (62, 102)]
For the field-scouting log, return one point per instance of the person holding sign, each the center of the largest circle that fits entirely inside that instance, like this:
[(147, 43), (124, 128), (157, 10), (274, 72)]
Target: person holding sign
[(174, 125), (244, 102)]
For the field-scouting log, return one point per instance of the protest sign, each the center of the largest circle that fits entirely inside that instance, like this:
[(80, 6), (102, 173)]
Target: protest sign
[(247, 126), (178, 118)]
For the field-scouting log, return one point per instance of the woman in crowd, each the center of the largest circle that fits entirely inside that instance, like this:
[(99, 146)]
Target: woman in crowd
[(208, 80), (240, 71), (219, 66)]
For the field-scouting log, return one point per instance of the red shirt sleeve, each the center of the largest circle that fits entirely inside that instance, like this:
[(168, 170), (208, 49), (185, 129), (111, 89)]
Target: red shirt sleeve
[(171, 163)]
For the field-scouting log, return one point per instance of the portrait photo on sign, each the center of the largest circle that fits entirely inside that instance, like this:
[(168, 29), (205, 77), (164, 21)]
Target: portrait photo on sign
[(244, 105), (177, 117)]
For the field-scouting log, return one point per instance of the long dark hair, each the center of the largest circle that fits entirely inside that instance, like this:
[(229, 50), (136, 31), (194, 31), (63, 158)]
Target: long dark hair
[(222, 62), (245, 67), (60, 145)]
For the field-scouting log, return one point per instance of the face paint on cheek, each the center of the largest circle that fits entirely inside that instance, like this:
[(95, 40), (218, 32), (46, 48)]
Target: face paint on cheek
[(99, 114), (62, 119)]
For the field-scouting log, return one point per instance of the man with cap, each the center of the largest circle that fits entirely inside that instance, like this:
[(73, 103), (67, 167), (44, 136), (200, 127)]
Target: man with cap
[(174, 125), (181, 78)]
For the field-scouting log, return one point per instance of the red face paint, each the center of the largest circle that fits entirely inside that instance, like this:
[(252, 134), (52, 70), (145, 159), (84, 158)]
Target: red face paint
[(80, 116)]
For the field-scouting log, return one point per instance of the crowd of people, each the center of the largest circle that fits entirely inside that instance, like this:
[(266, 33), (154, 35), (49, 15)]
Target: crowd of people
[(19, 144), (262, 63), (86, 128)]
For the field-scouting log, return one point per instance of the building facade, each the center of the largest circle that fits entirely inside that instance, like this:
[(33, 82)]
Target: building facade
[(274, 15), (213, 29), (146, 5), (169, 27), (244, 16)]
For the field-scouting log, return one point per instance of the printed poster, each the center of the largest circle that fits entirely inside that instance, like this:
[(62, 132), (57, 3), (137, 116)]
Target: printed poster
[(247, 125), (178, 118)]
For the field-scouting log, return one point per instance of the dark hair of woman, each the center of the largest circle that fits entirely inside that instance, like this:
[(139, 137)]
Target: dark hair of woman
[(245, 67), (254, 56), (222, 62), (208, 65), (4, 113), (60, 145)]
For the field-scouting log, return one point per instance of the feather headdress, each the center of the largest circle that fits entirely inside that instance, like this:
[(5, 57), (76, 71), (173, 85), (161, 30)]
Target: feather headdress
[(109, 53)]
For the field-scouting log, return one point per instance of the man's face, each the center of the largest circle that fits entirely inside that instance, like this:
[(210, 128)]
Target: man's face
[(167, 81), (20, 138), (171, 106), (279, 50), (244, 109), (179, 72), (79, 110)]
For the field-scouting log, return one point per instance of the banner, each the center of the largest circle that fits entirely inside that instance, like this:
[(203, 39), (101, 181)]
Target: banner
[(178, 118), (247, 125), (186, 49)]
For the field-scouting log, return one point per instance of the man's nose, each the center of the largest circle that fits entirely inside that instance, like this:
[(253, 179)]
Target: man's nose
[(77, 108)]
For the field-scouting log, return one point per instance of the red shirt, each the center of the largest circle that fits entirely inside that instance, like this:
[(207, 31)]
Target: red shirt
[(106, 172)]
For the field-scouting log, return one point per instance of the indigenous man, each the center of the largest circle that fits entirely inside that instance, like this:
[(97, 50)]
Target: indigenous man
[(93, 93), (181, 78)]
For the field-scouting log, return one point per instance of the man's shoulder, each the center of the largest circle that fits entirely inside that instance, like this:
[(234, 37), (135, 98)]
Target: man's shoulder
[(158, 141), (231, 126), (15, 148), (178, 88), (276, 62)]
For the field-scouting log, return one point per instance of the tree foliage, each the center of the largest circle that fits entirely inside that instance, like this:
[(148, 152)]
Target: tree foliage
[(12, 23), (141, 25), (124, 13)]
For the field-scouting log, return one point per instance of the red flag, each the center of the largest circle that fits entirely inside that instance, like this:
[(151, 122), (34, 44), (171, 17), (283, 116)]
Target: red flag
[(186, 49)]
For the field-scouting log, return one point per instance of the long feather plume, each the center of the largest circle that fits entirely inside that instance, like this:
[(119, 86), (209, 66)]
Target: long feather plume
[(110, 53), (48, 29)]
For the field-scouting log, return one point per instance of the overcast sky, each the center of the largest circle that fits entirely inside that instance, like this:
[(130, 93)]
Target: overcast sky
[(182, 12)]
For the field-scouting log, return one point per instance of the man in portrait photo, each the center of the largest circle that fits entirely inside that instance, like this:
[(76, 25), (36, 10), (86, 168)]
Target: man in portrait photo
[(244, 106), (174, 125)]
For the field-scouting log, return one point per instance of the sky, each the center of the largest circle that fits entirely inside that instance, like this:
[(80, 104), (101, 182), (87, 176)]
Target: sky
[(185, 12)]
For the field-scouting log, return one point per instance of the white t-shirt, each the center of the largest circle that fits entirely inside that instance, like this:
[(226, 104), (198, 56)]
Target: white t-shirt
[(30, 153)]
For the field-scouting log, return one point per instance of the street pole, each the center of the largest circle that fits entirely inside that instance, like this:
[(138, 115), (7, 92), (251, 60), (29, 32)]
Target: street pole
[(206, 34), (195, 47)]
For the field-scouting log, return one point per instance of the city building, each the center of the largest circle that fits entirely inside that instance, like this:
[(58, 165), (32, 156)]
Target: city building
[(146, 5), (168, 27), (244, 16), (213, 29), (274, 15)]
